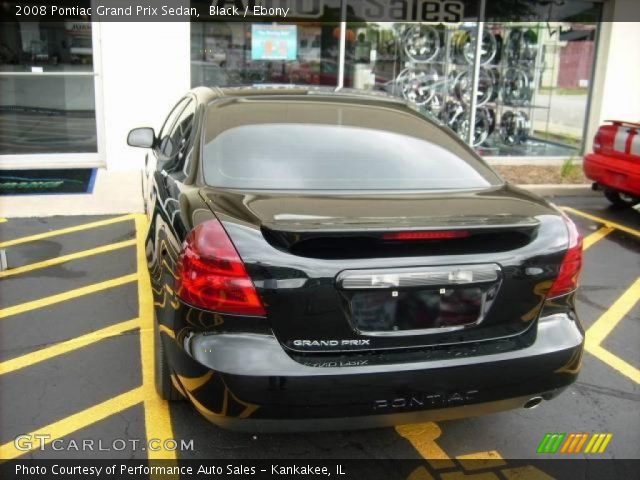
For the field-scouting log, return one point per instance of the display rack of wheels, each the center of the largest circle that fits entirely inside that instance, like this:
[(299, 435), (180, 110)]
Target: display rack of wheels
[(437, 77), (518, 70)]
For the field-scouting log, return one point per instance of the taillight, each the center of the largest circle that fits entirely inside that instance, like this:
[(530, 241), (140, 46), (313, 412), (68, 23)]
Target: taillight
[(597, 142), (567, 279), (212, 276), (432, 235)]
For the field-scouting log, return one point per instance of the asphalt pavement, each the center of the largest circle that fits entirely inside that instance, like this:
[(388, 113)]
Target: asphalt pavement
[(76, 360)]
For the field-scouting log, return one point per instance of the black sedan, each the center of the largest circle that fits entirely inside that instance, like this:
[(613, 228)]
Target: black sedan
[(326, 260)]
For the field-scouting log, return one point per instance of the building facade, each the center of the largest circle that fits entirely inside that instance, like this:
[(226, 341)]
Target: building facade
[(534, 91)]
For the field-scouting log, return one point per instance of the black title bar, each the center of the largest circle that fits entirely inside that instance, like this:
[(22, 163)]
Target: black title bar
[(369, 469), (433, 11)]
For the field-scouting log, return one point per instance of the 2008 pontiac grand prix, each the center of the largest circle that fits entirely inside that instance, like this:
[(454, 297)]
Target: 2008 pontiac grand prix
[(335, 260)]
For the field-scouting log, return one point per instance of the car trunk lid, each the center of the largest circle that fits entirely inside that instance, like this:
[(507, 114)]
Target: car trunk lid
[(343, 272)]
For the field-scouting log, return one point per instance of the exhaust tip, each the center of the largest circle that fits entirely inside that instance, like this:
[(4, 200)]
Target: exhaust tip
[(532, 403)]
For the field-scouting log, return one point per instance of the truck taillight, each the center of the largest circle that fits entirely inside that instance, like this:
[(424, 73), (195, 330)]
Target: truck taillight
[(212, 276), (567, 279), (597, 142)]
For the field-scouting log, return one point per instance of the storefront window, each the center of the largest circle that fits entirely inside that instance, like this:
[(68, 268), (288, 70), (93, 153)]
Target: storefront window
[(533, 79), (46, 46), (536, 114), (43, 114), (525, 88), (239, 53), (47, 95), (562, 96), (430, 66)]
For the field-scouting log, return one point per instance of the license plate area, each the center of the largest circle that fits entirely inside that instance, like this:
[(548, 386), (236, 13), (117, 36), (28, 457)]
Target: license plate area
[(419, 301)]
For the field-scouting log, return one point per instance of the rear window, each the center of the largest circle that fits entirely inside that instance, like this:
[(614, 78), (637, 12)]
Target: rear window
[(323, 146)]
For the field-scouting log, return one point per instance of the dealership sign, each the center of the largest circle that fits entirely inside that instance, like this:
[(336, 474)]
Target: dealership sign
[(438, 11)]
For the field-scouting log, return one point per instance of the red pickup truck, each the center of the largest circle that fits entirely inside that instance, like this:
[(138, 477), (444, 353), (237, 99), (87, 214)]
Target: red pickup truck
[(614, 164)]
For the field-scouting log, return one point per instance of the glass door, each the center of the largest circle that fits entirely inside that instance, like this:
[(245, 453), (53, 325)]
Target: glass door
[(47, 92)]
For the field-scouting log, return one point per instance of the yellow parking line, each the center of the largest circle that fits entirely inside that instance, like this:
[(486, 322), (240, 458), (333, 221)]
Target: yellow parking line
[(2, 220), (68, 295), (605, 325), (66, 258), (73, 423), (604, 221), (64, 231), (423, 437), (609, 319), (615, 362), (67, 346), (596, 236), (157, 417), (607, 322)]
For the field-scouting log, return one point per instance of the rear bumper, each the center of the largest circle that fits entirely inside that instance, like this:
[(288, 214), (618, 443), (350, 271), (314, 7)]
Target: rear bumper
[(372, 421), (248, 382), (617, 174)]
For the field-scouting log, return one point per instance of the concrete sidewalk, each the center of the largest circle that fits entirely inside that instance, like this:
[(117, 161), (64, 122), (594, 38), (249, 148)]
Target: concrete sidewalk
[(114, 193)]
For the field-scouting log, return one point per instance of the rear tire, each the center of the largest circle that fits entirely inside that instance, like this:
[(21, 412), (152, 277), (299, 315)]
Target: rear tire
[(162, 374), (620, 199)]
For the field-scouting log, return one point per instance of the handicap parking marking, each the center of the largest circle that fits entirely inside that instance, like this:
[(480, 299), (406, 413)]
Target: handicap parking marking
[(54, 280), (66, 230), (66, 258), (68, 295), (50, 391), (64, 321), (422, 437), (75, 422), (67, 346), (485, 465), (156, 411)]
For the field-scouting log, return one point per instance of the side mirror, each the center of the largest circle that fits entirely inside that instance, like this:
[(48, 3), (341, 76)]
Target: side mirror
[(143, 137)]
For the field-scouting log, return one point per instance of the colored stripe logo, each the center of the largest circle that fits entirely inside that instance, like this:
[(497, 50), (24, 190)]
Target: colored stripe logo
[(574, 442)]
